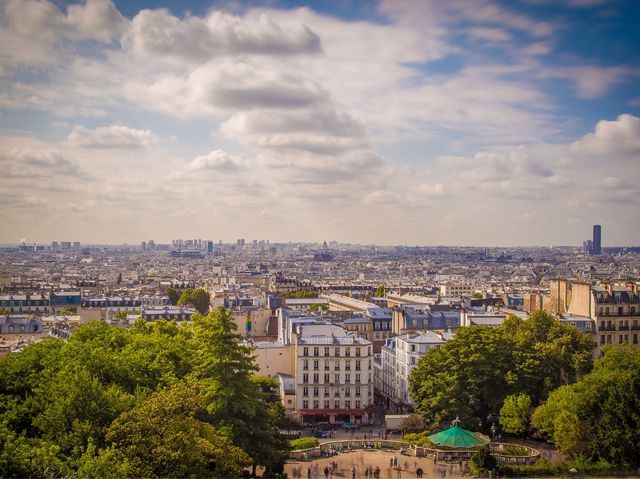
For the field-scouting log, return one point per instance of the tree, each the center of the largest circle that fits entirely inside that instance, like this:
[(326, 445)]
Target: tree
[(514, 415), (598, 416), (199, 298), (168, 435), (472, 374), (250, 408), (477, 295), (379, 292), (173, 295), (483, 460), (413, 423)]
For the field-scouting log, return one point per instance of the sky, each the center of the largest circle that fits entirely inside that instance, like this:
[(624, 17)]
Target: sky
[(399, 122)]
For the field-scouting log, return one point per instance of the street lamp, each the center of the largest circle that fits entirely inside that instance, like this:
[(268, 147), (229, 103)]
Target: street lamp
[(493, 431)]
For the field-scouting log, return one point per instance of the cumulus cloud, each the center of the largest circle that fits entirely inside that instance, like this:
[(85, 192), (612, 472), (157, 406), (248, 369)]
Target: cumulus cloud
[(29, 164), (610, 138), (197, 40), (106, 137), (217, 160)]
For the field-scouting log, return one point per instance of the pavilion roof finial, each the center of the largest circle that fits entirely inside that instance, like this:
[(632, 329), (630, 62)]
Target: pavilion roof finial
[(456, 421)]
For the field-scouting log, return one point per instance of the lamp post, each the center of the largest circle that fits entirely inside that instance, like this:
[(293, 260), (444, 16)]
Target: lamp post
[(493, 431)]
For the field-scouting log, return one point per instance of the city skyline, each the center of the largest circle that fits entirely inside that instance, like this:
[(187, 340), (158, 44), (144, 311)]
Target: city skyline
[(397, 122)]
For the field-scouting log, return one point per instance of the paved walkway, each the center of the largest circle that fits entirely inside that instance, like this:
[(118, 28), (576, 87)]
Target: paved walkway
[(361, 459)]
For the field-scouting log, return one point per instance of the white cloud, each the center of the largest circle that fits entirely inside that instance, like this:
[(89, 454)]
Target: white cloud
[(197, 40), (114, 136), (612, 138), (217, 160)]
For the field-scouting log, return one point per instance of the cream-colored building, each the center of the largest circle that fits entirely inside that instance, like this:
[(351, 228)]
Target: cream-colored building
[(614, 308), (333, 374), (273, 358)]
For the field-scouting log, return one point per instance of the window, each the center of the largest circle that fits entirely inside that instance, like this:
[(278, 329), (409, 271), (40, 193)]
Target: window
[(358, 404), (316, 351), (326, 365), (337, 350), (413, 348), (632, 310), (305, 365), (326, 404), (326, 378), (369, 364), (358, 365), (305, 391), (357, 378), (635, 339), (316, 365), (369, 351), (326, 392), (347, 392), (336, 404), (305, 378), (316, 378), (316, 404), (326, 351), (305, 351), (316, 391), (347, 366), (413, 360), (358, 391), (347, 404), (337, 366), (347, 378), (347, 352), (337, 381), (620, 311), (357, 351), (305, 404), (336, 393)]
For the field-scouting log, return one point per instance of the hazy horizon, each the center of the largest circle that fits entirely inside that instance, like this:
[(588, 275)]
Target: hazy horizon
[(390, 122)]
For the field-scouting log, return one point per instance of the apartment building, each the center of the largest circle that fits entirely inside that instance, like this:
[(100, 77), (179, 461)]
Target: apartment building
[(614, 309), (333, 375), (399, 356)]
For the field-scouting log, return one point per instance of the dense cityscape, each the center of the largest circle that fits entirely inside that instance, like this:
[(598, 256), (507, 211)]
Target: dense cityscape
[(321, 239), (340, 329)]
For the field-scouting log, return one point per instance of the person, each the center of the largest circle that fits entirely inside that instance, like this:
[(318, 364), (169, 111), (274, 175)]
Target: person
[(419, 472), (376, 472), (326, 472), (309, 472), (353, 472)]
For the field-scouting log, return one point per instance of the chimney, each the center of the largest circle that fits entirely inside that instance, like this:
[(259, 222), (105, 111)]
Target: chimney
[(607, 286), (633, 286)]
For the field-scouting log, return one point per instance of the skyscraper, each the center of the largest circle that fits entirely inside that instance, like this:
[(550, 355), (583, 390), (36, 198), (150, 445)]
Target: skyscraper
[(597, 238)]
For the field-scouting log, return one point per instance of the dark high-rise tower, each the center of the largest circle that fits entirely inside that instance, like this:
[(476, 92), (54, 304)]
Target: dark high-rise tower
[(597, 239)]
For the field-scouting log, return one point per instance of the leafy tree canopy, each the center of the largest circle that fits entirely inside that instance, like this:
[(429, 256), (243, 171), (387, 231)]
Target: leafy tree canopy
[(93, 404), (472, 374), (199, 298), (598, 417)]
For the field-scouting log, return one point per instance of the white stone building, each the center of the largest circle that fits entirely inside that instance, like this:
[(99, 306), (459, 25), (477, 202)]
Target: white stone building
[(333, 374)]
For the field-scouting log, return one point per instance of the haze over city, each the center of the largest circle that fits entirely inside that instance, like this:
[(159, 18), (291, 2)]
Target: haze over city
[(390, 122)]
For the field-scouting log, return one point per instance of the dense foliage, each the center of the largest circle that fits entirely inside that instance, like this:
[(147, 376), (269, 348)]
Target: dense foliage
[(199, 298), (304, 443), (599, 416), (154, 400), (471, 375), (514, 415), (303, 294)]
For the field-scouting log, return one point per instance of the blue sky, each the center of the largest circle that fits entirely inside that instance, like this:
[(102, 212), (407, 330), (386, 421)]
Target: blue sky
[(390, 122)]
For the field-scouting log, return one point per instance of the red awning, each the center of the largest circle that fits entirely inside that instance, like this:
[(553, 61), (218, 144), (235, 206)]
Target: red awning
[(318, 412)]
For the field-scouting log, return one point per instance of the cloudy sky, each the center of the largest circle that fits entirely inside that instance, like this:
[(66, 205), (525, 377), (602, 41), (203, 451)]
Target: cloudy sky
[(465, 122)]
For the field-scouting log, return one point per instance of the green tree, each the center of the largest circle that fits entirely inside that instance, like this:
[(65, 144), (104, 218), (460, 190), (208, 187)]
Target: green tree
[(472, 374), (477, 295), (598, 416), (199, 298), (514, 415), (483, 460), (250, 408), (168, 435), (413, 423), (173, 295), (380, 291)]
